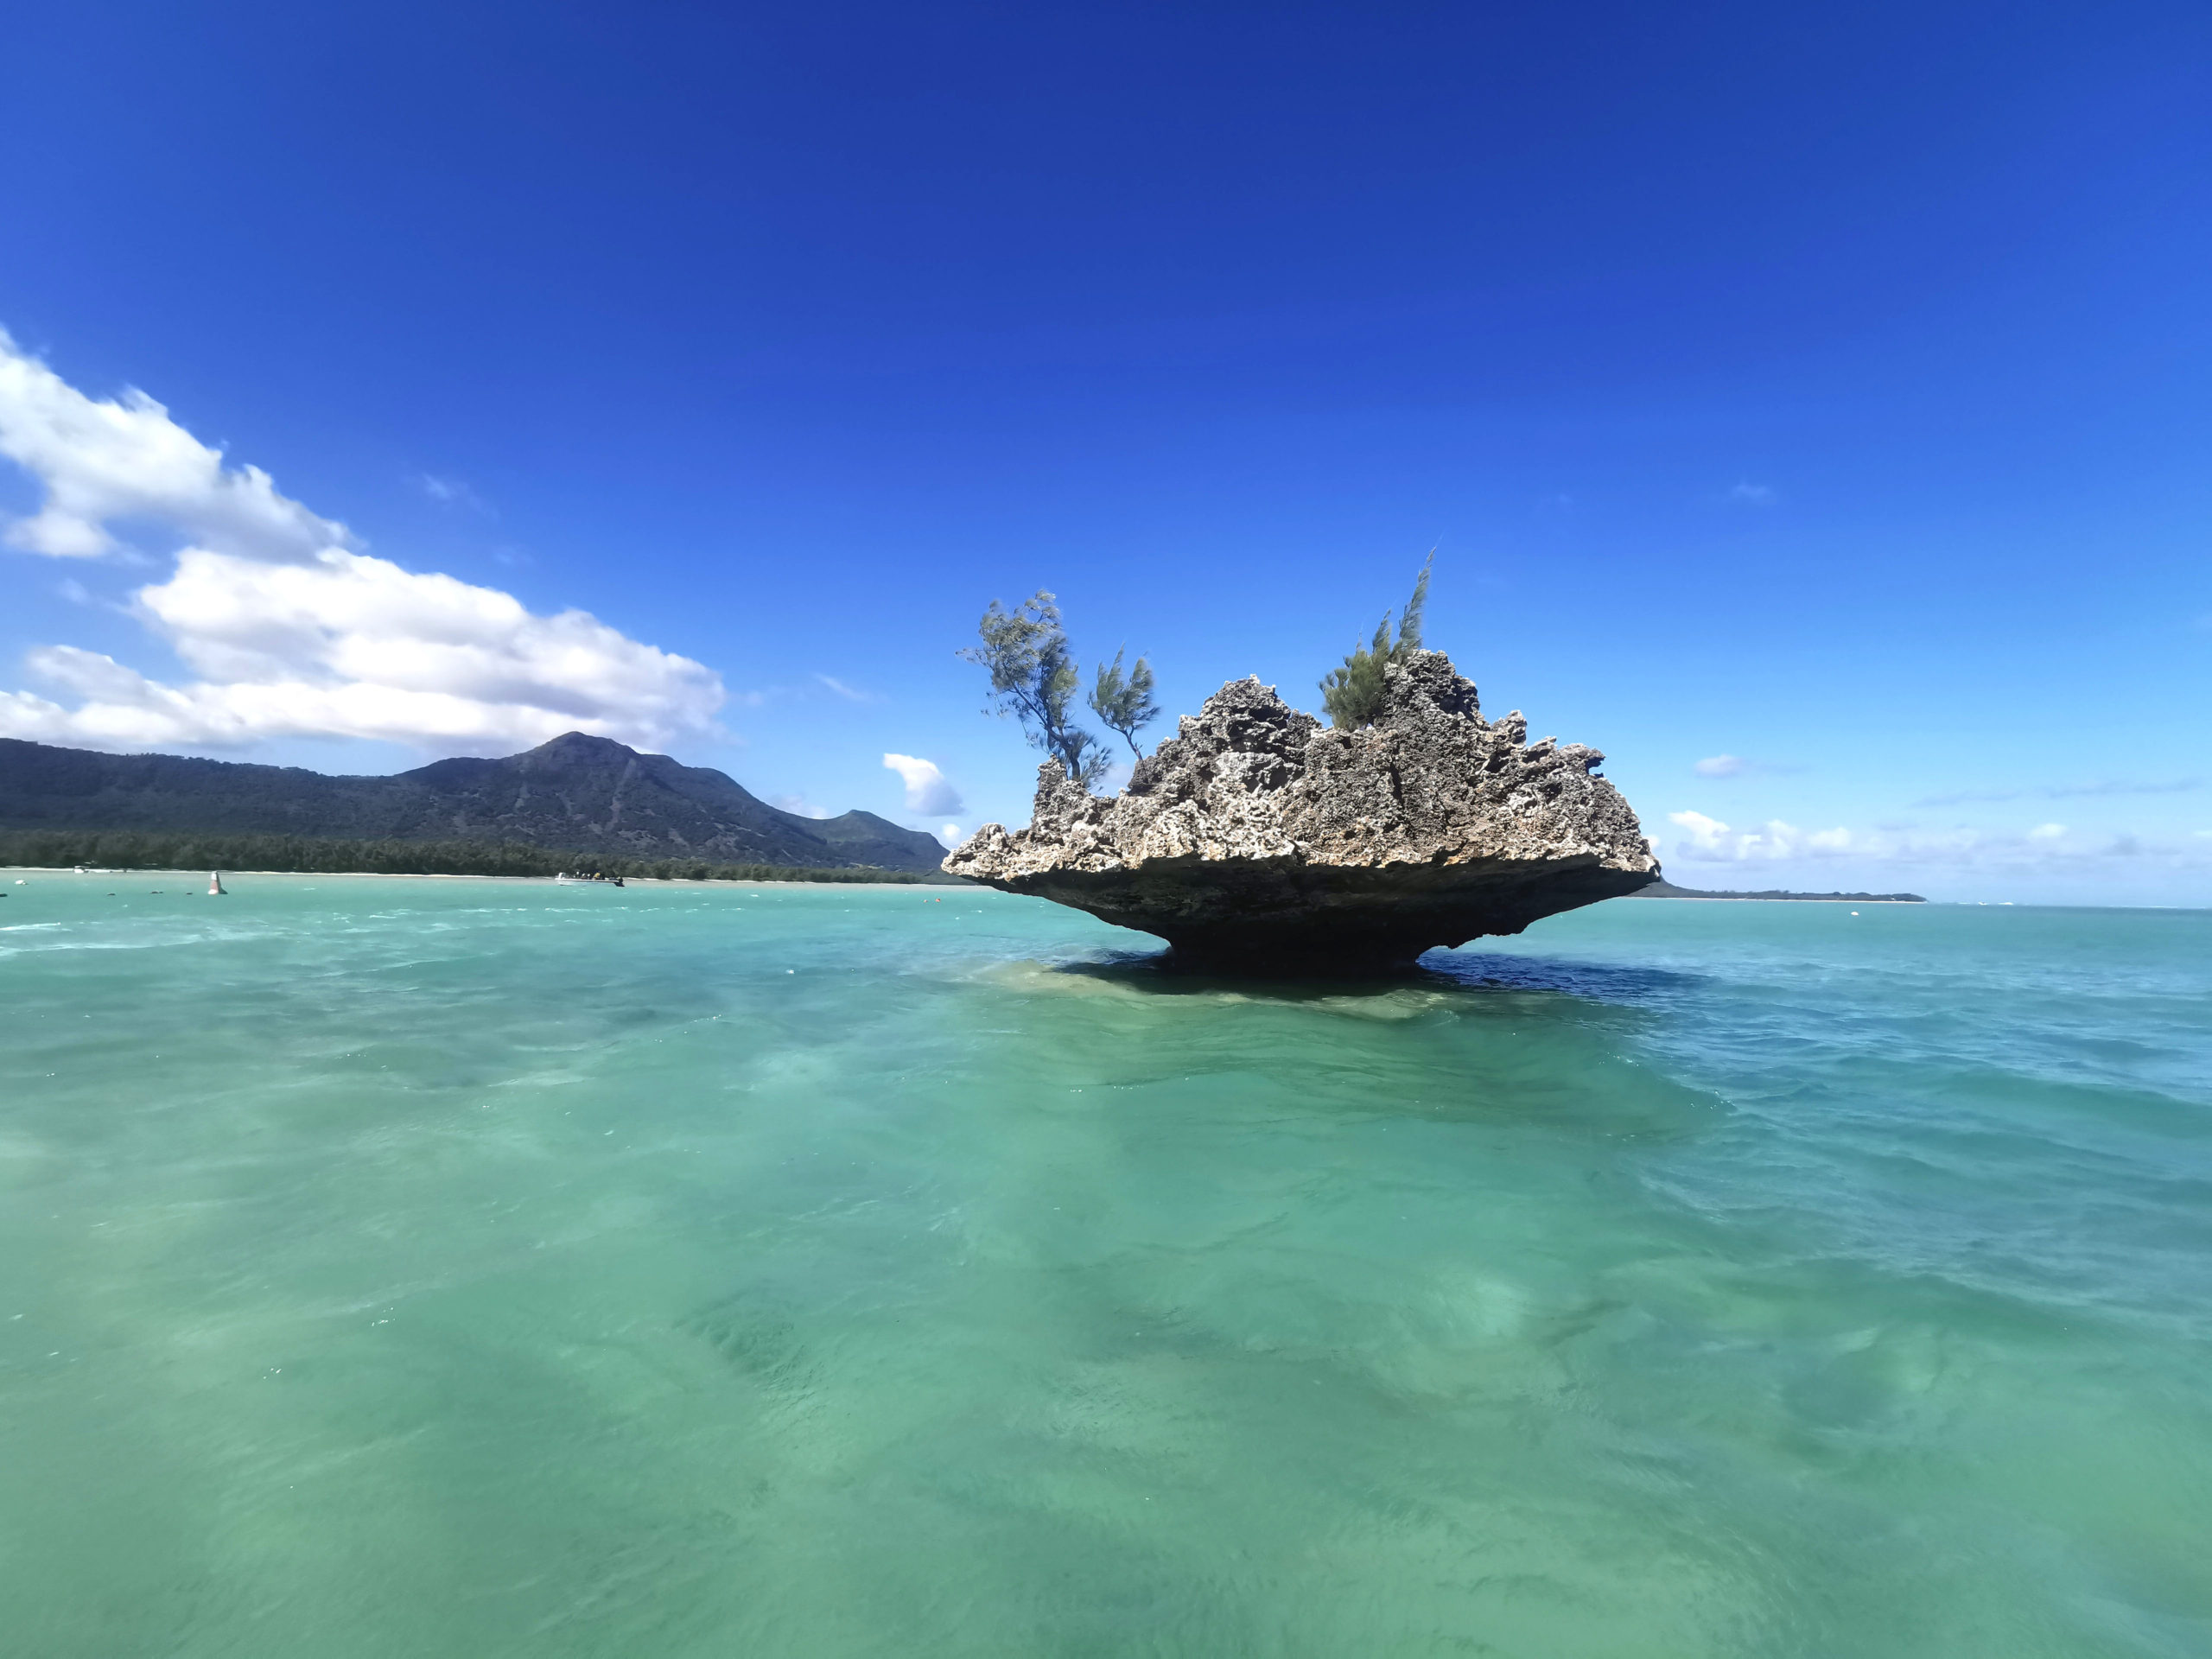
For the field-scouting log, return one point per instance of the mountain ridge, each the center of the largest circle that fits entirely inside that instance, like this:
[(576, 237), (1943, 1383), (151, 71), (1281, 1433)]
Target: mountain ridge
[(575, 791)]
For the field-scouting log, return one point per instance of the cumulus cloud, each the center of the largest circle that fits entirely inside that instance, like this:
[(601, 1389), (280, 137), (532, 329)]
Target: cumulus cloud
[(354, 646), (2045, 847), (124, 458), (1709, 838), (928, 792), (291, 629)]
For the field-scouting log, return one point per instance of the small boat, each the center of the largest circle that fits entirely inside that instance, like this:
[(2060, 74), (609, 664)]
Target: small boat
[(215, 884), (565, 880)]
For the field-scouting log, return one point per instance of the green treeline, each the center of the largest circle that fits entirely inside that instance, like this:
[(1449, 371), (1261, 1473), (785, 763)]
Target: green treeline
[(185, 849)]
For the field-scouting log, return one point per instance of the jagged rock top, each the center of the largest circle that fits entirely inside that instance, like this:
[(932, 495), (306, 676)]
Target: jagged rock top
[(1431, 782)]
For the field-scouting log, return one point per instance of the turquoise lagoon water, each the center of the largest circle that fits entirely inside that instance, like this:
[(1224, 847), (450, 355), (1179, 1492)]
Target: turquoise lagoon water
[(407, 1267)]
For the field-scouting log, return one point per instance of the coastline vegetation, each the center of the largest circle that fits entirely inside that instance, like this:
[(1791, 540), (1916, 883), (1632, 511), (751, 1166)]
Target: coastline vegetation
[(141, 849), (1664, 889)]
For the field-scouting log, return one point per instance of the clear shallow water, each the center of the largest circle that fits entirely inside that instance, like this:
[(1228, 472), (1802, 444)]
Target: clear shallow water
[(443, 1268)]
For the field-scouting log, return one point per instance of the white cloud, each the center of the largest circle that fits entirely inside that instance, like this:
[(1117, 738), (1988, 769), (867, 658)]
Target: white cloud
[(949, 834), (354, 646), (1711, 839), (851, 693), (1748, 494), (1720, 766), (291, 629), (2047, 847), (453, 493), (1704, 831), (124, 458), (927, 789), (799, 805)]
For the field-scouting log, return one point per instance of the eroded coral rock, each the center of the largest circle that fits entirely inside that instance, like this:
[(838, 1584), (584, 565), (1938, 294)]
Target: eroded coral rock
[(1261, 840)]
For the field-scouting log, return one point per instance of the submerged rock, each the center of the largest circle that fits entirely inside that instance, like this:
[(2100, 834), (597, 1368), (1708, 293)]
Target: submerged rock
[(1258, 840)]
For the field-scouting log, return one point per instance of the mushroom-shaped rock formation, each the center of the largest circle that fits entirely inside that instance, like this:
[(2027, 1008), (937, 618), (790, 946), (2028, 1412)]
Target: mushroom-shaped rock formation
[(1259, 841)]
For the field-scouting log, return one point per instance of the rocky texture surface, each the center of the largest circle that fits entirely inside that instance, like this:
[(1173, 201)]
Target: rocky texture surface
[(1259, 840)]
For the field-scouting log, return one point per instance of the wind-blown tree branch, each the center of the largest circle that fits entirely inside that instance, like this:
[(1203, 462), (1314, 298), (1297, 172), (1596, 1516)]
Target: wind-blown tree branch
[(1123, 702), (1034, 678), (1352, 695)]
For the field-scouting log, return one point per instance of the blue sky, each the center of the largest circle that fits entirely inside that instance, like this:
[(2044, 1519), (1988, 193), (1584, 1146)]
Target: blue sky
[(1819, 397)]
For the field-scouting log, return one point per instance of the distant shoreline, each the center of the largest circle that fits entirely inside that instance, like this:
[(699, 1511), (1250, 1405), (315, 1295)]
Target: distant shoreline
[(1668, 890), (194, 874), (1772, 898)]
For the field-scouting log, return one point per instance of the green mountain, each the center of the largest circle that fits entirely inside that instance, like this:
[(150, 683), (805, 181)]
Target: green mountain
[(585, 794)]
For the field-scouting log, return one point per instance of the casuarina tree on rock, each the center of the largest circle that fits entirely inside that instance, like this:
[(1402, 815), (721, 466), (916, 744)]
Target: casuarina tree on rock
[(1124, 702), (1034, 678), (1353, 694)]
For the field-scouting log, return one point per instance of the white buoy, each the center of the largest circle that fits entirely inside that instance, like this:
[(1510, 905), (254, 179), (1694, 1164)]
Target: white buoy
[(215, 884)]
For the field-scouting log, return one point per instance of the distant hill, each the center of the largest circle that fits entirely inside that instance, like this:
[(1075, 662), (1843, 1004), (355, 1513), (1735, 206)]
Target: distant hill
[(586, 794), (1668, 890)]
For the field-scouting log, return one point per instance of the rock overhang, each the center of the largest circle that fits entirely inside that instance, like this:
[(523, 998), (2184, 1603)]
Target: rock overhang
[(1259, 840)]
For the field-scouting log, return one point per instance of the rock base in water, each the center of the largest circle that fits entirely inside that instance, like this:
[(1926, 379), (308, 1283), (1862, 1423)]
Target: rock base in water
[(1258, 840)]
